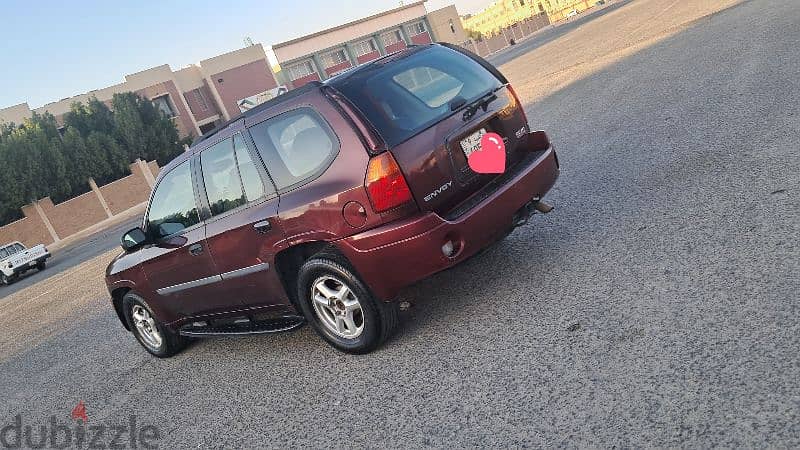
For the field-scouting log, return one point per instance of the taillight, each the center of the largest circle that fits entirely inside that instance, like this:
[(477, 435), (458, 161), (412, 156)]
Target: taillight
[(519, 103), (386, 186)]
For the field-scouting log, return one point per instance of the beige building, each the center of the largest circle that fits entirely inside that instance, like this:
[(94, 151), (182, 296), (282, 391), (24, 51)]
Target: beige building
[(558, 9), (197, 97), (323, 54), (217, 89), (500, 14), (504, 13)]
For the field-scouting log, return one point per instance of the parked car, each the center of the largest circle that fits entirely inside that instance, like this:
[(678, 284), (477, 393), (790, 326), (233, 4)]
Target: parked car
[(15, 260), (572, 13), (320, 205)]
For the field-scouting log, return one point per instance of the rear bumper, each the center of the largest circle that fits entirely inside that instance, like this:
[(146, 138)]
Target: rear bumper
[(400, 253), (24, 268)]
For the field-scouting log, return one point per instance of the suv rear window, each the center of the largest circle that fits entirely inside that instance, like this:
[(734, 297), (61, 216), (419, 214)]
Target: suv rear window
[(402, 97)]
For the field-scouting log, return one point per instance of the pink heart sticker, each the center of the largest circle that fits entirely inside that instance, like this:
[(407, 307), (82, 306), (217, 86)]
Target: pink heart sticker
[(491, 158)]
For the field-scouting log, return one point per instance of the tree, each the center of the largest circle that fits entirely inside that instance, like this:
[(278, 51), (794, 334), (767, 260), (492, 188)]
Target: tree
[(130, 131), (38, 158)]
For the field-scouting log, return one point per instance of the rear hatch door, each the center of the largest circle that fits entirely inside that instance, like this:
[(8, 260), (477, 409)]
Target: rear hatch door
[(431, 105)]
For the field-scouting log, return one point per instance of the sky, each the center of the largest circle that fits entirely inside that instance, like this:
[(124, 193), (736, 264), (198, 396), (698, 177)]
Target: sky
[(56, 49)]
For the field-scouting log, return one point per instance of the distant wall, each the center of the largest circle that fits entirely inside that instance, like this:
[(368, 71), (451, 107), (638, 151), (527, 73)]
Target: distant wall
[(517, 32), (46, 223)]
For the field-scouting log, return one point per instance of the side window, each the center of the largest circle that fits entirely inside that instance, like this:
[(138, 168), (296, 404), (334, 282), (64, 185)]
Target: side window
[(221, 178), (251, 180), (295, 146), (3, 253), (173, 208)]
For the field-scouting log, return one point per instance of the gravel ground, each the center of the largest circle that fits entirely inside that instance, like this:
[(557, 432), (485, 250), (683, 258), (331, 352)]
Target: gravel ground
[(657, 306)]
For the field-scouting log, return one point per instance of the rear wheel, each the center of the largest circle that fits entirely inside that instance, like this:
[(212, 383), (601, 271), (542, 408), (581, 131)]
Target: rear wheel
[(41, 266), (151, 334), (341, 309), (6, 280)]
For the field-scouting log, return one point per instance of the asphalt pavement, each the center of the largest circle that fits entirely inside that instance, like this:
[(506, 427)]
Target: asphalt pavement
[(656, 306), (72, 255)]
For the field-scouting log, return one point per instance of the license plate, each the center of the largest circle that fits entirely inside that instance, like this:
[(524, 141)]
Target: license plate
[(472, 143), (32, 264)]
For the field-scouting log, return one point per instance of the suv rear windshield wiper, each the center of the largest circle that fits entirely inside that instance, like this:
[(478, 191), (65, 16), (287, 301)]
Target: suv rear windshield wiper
[(481, 103)]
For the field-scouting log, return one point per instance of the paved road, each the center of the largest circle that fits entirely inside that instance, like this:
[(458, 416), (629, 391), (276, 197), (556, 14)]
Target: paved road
[(657, 306), (553, 32), (70, 256)]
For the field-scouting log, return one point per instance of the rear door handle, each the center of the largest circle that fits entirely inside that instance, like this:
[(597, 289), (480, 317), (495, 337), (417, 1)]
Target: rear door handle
[(263, 226), (195, 249)]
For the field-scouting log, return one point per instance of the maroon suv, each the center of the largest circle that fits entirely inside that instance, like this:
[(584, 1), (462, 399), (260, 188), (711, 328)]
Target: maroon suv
[(320, 205)]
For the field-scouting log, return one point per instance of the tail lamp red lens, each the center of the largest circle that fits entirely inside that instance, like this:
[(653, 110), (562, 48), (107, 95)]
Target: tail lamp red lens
[(519, 104), (386, 186)]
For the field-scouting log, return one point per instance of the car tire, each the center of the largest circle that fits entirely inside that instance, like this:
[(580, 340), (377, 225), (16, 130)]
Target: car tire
[(41, 266), (354, 321), (5, 280), (149, 331)]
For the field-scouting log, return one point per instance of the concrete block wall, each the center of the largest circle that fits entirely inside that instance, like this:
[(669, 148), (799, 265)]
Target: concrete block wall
[(73, 215), (46, 223), (517, 32), (29, 230), (123, 194)]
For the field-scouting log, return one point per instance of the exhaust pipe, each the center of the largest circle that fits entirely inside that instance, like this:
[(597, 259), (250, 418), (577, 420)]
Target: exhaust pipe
[(524, 214), (542, 207)]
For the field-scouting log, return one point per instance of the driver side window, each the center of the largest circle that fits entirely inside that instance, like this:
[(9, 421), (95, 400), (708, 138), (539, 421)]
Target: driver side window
[(173, 208)]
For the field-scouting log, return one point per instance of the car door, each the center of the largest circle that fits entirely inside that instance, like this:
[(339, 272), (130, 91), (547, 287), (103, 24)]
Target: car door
[(178, 264), (242, 229)]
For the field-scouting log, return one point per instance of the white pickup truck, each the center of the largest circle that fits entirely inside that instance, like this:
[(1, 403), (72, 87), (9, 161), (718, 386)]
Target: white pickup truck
[(15, 260)]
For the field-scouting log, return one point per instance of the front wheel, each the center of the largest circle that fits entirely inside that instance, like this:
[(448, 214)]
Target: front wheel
[(341, 309), (151, 334)]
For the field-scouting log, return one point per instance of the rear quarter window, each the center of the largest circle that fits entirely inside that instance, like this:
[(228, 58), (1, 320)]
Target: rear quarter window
[(402, 97), (296, 146)]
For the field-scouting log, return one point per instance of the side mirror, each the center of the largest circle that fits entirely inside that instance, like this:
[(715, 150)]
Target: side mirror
[(133, 239)]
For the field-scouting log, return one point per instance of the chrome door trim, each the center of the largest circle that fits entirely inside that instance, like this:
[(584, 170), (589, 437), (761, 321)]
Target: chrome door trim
[(245, 271), (213, 279), (189, 285)]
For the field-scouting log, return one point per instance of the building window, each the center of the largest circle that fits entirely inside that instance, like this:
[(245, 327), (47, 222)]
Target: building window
[(300, 70), (391, 37), (416, 28), (364, 47), (200, 99), (334, 58), (208, 127), (164, 105)]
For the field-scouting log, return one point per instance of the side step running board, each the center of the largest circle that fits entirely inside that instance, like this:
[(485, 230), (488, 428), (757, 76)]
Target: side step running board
[(243, 327)]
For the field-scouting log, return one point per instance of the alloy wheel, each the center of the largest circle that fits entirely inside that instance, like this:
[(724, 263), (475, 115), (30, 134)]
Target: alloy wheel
[(337, 307), (146, 326)]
